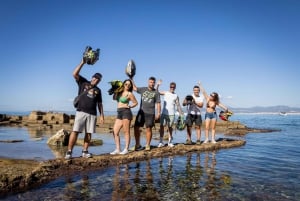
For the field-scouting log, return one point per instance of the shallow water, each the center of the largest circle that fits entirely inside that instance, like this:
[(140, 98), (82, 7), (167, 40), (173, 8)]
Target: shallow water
[(266, 168)]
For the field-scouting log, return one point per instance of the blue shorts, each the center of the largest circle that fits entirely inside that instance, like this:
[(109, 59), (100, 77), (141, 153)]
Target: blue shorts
[(210, 115)]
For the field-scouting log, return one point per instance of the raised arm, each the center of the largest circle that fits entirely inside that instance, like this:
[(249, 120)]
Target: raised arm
[(157, 86), (134, 87), (203, 91), (77, 70)]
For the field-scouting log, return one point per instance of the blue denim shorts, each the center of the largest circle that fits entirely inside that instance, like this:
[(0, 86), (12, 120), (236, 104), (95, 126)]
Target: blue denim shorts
[(210, 115)]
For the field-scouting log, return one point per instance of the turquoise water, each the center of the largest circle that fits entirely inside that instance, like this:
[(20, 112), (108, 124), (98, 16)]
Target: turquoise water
[(266, 168)]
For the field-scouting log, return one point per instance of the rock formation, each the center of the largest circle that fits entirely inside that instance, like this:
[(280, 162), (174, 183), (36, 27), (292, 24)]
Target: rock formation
[(19, 175)]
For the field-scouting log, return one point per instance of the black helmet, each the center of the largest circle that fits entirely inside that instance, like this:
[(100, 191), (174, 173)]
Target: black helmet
[(91, 56), (189, 99), (130, 69)]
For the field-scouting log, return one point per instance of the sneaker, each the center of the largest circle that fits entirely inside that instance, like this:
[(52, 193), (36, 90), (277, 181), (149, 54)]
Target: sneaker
[(125, 151), (189, 142), (213, 141), (160, 145), (68, 155), (136, 148), (114, 152), (198, 142), (147, 148), (206, 141), (170, 144), (86, 154)]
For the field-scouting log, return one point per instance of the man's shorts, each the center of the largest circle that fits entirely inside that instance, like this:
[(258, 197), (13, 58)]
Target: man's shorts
[(144, 119), (167, 120), (124, 113), (84, 122), (196, 119)]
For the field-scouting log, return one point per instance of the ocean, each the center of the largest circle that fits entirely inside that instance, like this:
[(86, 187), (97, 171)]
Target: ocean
[(266, 168)]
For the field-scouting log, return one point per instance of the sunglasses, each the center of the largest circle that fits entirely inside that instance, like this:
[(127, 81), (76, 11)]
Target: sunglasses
[(172, 87)]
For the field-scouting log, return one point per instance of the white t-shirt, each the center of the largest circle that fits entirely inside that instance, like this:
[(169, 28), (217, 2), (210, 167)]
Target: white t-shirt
[(169, 103), (198, 99)]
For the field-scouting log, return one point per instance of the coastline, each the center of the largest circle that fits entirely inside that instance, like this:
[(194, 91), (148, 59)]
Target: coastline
[(19, 175)]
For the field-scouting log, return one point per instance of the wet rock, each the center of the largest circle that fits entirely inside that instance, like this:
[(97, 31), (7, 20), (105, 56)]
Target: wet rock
[(61, 138), (19, 175)]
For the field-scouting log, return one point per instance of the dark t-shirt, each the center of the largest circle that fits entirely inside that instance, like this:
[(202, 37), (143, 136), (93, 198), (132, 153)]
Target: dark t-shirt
[(91, 96), (148, 99)]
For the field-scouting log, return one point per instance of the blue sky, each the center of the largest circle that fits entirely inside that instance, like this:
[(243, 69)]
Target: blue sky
[(246, 50)]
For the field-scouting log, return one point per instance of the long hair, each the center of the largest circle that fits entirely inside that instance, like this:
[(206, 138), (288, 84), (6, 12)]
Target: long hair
[(119, 93), (215, 96)]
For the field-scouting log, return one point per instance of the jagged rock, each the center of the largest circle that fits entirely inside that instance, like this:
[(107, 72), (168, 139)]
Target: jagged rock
[(61, 138)]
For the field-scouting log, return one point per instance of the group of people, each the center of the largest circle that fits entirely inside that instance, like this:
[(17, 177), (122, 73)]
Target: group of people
[(150, 110)]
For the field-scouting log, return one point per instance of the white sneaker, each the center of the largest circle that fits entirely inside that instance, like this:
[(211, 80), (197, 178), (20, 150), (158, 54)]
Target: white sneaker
[(114, 152), (206, 141), (68, 155), (86, 154), (125, 151), (170, 144), (160, 144), (213, 141)]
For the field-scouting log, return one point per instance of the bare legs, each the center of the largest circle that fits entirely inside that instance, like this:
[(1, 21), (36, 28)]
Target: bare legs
[(126, 129), (137, 136), (189, 132), (125, 124), (210, 123), (73, 139), (148, 135)]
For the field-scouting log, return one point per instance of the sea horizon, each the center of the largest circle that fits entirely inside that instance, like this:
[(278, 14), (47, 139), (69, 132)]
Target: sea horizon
[(112, 113)]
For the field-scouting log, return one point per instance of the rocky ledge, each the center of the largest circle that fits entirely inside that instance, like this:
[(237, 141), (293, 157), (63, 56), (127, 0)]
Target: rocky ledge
[(21, 175)]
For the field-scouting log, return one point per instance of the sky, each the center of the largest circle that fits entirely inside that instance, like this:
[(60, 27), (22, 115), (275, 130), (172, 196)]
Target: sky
[(248, 51)]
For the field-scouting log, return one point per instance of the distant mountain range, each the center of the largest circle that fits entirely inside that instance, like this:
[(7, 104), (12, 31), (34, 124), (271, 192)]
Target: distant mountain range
[(270, 109)]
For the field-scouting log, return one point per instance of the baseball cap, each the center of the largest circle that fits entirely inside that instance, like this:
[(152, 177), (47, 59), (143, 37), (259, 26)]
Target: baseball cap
[(97, 76)]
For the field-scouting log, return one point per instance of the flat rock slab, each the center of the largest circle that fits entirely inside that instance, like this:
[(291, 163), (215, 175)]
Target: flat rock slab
[(20, 175)]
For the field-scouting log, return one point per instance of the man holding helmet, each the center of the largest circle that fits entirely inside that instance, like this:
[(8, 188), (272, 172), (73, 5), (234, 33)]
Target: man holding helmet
[(194, 103)]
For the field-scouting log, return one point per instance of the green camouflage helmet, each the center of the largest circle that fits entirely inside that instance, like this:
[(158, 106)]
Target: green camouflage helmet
[(180, 124)]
